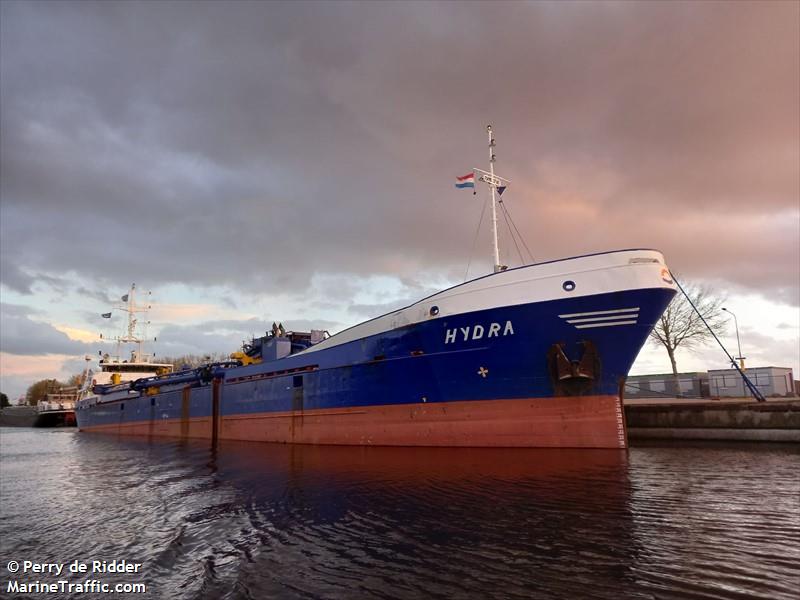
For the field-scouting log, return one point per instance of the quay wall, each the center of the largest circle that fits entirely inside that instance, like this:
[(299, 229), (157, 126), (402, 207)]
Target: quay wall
[(772, 421), (18, 416)]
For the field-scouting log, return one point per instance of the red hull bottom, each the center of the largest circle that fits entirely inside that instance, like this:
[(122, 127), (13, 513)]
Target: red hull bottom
[(561, 422)]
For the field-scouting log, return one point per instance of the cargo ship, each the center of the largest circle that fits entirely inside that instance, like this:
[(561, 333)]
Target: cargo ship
[(534, 356)]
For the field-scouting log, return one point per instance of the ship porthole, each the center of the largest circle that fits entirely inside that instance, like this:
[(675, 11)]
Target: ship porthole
[(434, 311), (568, 285)]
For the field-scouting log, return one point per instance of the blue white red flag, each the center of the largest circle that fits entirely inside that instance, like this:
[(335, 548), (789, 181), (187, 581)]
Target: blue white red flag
[(467, 181)]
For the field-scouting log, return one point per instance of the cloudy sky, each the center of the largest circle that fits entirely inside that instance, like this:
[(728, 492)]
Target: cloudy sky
[(251, 162)]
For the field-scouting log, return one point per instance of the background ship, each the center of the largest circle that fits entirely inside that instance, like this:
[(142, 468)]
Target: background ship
[(534, 356), (116, 373), (57, 409)]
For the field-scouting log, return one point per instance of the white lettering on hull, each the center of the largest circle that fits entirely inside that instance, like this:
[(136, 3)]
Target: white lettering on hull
[(477, 332)]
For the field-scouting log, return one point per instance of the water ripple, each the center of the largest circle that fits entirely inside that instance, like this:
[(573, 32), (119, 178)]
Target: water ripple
[(258, 520)]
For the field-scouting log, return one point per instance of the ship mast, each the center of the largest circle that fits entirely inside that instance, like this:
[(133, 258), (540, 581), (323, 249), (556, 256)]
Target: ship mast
[(132, 309), (495, 183), (492, 158)]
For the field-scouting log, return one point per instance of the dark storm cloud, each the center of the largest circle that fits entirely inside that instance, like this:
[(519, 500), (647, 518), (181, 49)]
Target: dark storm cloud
[(23, 335), (18, 311), (13, 277), (252, 145), (223, 336), (104, 298)]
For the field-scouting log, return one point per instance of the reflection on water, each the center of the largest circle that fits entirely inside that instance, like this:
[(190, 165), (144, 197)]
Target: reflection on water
[(260, 520)]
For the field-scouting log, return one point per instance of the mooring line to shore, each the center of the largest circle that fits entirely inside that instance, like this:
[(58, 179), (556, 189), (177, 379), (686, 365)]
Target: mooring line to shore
[(750, 385)]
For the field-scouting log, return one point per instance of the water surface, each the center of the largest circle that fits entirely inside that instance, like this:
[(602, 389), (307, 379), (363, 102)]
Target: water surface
[(249, 520)]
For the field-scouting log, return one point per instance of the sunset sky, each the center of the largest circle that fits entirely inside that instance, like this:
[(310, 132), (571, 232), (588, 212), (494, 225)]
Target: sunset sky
[(259, 162)]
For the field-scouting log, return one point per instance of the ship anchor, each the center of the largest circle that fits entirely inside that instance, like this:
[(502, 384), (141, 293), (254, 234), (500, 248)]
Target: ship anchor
[(573, 377)]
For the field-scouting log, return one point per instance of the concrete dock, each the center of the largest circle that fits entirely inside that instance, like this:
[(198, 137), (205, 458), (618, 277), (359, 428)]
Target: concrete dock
[(739, 419), (18, 416)]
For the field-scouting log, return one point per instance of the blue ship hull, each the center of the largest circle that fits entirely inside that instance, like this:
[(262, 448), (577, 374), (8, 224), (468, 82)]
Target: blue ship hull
[(457, 379)]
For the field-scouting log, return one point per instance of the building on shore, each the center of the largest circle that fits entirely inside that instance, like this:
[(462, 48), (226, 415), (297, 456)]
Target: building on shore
[(666, 385), (772, 382)]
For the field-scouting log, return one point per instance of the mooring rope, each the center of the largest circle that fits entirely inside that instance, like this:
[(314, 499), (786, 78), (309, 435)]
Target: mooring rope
[(475, 239), (753, 389)]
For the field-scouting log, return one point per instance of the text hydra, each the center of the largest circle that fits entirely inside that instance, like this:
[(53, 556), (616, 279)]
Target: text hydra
[(477, 332)]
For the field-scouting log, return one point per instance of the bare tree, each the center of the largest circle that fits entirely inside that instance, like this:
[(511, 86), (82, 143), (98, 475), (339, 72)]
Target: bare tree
[(681, 326)]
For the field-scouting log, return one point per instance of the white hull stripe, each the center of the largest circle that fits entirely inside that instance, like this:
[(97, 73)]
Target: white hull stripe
[(602, 312), (598, 319), (603, 318), (605, 324)]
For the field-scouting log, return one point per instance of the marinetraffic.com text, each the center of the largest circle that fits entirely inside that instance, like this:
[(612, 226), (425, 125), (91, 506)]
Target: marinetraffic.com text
[(74, 577)]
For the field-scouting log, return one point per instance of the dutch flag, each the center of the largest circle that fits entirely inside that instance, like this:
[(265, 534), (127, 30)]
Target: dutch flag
[(467, 181)]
